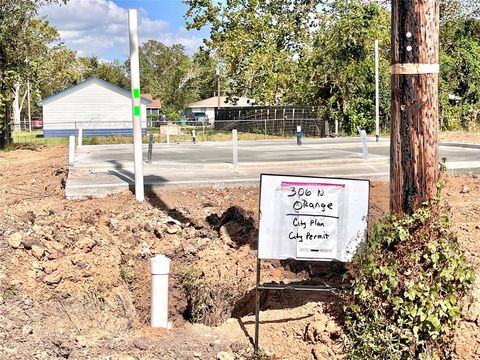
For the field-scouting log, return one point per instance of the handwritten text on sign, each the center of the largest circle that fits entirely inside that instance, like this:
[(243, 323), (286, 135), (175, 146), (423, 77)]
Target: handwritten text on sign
[(312, 217)]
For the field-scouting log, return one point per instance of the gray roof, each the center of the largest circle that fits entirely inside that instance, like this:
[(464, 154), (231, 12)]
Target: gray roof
[(87, 82)]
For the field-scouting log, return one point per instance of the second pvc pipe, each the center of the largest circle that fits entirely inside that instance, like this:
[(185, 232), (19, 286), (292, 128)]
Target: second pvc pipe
[(160, 269)]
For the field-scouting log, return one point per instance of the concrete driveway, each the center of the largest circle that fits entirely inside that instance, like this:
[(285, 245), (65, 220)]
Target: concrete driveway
[(100, 170)]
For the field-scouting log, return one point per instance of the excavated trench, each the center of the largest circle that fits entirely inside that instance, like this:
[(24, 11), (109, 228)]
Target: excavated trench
[(202, 292)]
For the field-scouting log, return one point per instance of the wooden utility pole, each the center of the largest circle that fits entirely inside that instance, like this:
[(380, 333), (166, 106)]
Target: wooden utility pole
[(414, 140)]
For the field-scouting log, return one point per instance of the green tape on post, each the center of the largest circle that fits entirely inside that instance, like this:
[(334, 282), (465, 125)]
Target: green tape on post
[(136, 93), (136, 111)]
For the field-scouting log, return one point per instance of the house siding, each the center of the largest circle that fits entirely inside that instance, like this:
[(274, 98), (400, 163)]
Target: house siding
[(96, 109), (210, 111)]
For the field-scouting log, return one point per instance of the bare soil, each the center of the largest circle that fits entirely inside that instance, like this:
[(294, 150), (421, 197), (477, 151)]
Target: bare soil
[(75, 281)]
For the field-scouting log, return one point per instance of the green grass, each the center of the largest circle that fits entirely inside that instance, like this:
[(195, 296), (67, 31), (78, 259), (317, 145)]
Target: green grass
[(36, 138), (207, 134)]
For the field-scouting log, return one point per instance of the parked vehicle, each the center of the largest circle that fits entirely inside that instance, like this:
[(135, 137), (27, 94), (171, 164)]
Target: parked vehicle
[(198, 119), (160, 120), (37, 123)]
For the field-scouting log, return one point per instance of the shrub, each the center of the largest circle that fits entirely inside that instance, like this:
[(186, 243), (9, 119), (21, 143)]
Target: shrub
[(406, 287)]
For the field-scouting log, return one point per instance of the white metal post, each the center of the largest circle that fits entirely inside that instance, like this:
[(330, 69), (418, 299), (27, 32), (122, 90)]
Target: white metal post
[(71, 150), (377, 96), (136, 106), (168, 135), (80, 137), (235, 148)]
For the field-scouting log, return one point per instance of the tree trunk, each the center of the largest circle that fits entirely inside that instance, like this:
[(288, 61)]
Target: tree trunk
[(16, 108), (6, 133), (29, 107), (5, 124), (414, 130)]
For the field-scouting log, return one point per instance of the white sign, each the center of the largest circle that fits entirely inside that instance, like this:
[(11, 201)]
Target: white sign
[(311, 218)]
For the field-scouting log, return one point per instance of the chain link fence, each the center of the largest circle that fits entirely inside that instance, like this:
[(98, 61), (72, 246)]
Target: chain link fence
[(250, 123), (272, 120)]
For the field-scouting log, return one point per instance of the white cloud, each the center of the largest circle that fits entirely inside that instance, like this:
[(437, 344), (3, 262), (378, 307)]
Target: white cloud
[(100, 27)]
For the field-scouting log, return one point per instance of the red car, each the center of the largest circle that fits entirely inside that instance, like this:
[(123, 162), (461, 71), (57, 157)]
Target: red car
[(37, 123)]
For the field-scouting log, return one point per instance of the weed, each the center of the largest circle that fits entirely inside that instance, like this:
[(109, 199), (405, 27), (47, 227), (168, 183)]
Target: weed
[(8, 294), (209, 302), (407, 285), (125, 275)]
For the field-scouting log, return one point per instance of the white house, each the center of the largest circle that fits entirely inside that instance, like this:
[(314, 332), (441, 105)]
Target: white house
[(95, 105), (209, 105)]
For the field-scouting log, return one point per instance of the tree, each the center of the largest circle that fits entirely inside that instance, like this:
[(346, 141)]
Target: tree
[(169, 74), (258, 43), (206, 82), (16, 16), (29, 57), (298, 52), (338, 72), (460, 72), (58, 70), (113, 72)]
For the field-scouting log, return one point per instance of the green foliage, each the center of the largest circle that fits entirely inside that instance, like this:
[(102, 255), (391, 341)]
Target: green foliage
[(306, 53), (407, 285), (171, 113), (24, 41), (113, 72), (320, 53), (342, 63), (172, 76), (257, 42), (460, 73), (126, 275)]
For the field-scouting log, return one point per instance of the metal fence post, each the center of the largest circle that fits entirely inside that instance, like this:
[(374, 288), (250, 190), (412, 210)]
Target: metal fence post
[(363, 135), (80, 137), (235, 148), (71, 150), (299, 135), (150, 148)]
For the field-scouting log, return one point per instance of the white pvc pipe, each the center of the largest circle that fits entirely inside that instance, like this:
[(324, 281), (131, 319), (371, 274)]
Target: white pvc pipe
[(80, 136), (71, 150), (136, 106), (160, 269)]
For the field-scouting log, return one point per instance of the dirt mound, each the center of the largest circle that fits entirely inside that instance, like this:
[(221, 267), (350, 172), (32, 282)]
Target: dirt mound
[(75, 279)]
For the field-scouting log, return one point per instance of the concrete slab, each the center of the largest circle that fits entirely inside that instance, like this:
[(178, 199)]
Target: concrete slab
[(106, 169)]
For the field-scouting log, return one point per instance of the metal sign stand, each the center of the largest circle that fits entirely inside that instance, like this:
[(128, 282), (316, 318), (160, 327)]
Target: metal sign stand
[(259, 287), (359, 223)]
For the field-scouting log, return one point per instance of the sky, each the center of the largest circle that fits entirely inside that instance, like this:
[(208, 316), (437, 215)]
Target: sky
[(100, 27)]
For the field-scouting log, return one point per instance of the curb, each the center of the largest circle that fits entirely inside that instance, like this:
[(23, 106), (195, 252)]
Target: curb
[(241, 165), (461, 145)]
